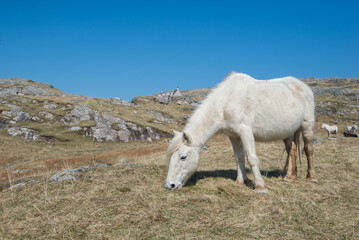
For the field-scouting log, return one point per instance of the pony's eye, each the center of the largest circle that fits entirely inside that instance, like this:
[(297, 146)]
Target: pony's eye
[(183, 157)]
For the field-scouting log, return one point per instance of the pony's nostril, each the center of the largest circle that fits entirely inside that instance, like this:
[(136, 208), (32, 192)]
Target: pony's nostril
[(173, 185)]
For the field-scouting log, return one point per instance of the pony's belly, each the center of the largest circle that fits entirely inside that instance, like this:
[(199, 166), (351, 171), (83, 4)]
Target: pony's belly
[(279, 131), (272, 136)]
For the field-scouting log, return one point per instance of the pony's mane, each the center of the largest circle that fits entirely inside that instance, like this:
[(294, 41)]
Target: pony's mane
[(230, 80), (174, 145)]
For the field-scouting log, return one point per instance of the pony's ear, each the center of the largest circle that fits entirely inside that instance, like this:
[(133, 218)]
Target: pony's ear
[(187, 138), (175, 132)]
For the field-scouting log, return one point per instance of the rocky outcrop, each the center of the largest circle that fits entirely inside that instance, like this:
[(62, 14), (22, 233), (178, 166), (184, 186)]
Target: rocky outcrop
[(119, 101), (22, 117), (335, 91), (124, 131), (161, 117), (25, 133), (72, 173)]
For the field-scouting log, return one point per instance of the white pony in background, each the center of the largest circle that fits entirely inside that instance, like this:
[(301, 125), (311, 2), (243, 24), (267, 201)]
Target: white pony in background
[(246, 110), (352, 129), (330, 129)]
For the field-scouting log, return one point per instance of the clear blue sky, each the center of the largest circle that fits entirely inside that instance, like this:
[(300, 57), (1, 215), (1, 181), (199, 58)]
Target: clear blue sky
[(130, 48)]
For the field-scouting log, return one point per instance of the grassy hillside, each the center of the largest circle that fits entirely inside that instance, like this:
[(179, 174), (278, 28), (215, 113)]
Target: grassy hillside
[(127, 200)]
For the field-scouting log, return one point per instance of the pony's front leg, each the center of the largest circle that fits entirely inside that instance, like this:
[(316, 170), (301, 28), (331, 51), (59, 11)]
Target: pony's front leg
[(248, 143), (239, 156)]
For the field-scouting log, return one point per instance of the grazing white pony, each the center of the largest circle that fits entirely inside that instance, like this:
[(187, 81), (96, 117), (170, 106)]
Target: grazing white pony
[(246, 110), (352, 129), (330, 129)]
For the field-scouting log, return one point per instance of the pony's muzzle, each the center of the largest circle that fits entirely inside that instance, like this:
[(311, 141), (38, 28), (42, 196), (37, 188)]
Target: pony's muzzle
[(172, 186)]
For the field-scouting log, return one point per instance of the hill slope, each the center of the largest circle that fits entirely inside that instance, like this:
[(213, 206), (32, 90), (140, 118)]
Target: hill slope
[(43, 131)]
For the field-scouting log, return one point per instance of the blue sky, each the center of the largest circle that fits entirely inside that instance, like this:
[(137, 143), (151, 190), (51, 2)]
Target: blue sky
[(131, 48)]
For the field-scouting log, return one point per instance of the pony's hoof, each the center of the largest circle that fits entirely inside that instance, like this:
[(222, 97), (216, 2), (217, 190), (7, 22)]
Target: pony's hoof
[(261, 189), (289, 179), (314, 180), (241, 182)]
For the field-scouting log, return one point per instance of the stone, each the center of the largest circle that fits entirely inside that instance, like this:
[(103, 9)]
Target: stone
[(36, 119), (161, 117), (37, 91), (119, 101), (20, 184), (46, 115), (22, 117), (83, 112), (77, 128), (27, 134), (50, 106), (5, 92), (335, 91), (4, 123), (72, 173)]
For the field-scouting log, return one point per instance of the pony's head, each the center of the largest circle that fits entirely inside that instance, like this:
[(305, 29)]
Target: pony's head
[(323, 125), (182, 160)]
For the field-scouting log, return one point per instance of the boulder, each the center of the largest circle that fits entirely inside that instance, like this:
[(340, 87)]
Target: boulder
[(27, 134), (82, 111), (72, 173), (119, 101), (37, 91), (161, 117), (46, 115), (50, 106), (22, 117)]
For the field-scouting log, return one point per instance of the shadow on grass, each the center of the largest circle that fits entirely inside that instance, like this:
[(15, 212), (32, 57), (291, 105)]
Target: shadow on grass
[(230, 174)]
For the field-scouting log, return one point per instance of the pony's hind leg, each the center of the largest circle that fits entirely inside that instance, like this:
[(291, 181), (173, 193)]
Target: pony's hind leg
[(292, 145), (290, 166), (308, 149), (239, 156)]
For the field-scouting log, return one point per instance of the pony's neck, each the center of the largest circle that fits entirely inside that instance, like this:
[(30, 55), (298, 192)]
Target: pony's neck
[(204, 123)]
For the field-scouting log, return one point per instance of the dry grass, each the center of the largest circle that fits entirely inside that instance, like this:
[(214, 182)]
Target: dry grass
[(128, 201), (124, 202)]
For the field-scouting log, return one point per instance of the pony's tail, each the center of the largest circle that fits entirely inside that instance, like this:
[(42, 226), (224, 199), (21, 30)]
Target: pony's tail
[(300, 153)]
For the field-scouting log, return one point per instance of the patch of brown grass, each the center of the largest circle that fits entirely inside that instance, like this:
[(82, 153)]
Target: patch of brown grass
[(130, 202)]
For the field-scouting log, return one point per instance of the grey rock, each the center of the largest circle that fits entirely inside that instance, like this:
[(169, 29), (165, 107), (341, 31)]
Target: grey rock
[(15, 110), (37, 91), (317, 141), (27, 134), (22, 117), (83, 112), (5, 92), (69, 120), (46, 115), (161, 117), (20, 184), (50, 106), (4, 123), (71, 173), (77, 128), (14, 81), (335, 91), (6, 113), (36, 119), (119, 101)]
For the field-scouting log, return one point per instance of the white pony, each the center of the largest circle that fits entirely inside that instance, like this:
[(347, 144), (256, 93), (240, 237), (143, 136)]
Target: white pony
[(246, 110), (352, 129), (330, 129)]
